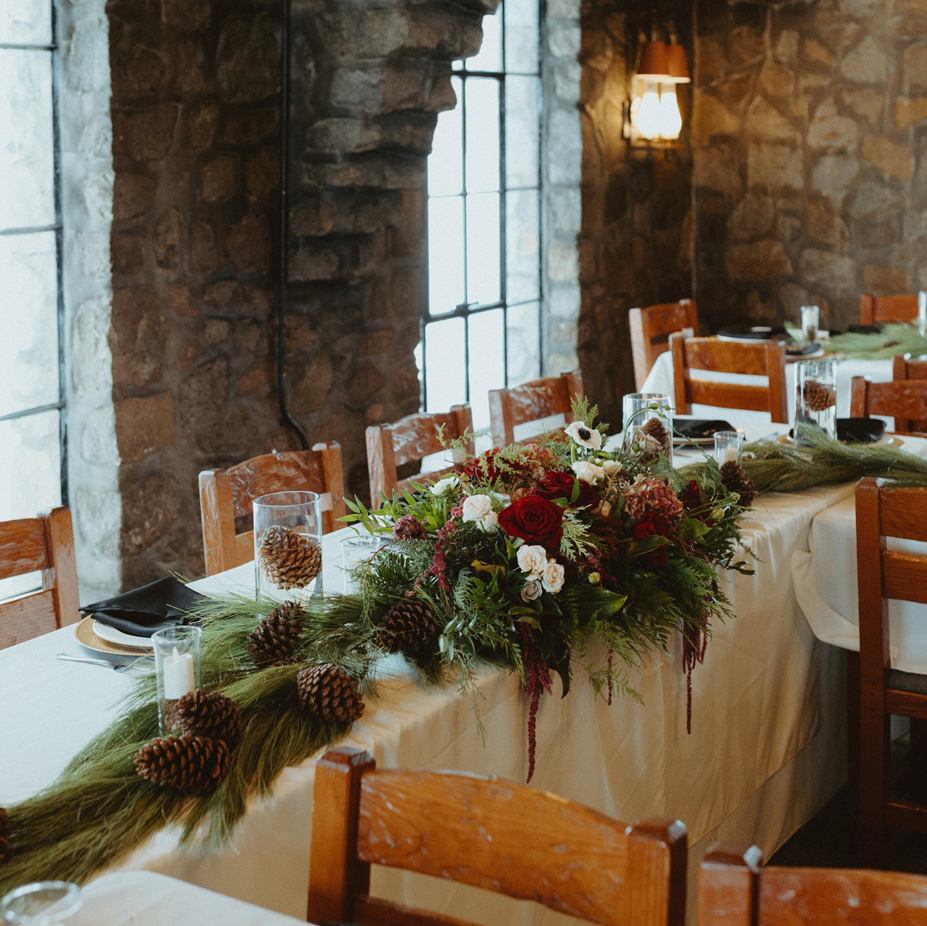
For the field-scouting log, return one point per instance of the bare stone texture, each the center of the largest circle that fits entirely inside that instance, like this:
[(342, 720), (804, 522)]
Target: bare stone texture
[(144, 425), (761, 260), (886, 280), (867, 63), (830, 130), (774, 166), (910, 111), (711, 117), (894, 158)]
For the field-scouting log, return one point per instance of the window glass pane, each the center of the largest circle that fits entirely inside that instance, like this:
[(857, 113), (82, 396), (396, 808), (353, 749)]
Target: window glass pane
[(482, 120), (29, 309), (521, 36), (522, 254), (524, 330), (445, 255), (30, 465), (483, 248), (490, 54), (445, 165), (26, 140), (446, 376), (521, 131), (487, 362), (25, 22)]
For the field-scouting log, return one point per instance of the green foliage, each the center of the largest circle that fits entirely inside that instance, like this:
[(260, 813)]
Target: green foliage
[(893, 339)]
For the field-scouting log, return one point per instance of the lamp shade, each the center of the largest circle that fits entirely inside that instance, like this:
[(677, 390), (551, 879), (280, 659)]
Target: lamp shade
[(677, 67), (654, 63)]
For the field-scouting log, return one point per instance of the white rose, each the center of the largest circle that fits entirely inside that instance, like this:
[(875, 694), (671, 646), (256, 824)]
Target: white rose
[(476, 507), (531, 591), (588, 472), (611, 467), (532, 559), (444, 485), (584, 436), (552, 577), (490, 523)]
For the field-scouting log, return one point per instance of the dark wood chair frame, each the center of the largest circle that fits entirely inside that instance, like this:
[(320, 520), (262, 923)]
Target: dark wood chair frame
[(874, 310), (905, 400), (651, 328), (534, 401)]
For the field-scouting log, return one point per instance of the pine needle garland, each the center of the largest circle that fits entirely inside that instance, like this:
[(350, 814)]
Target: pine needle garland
[(892, 340)]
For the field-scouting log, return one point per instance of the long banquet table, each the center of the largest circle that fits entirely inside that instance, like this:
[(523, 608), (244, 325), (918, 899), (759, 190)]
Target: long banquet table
[(765, 753)]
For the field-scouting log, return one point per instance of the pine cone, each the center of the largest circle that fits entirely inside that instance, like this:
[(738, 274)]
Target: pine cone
[(656, 430), (273, 641), (211, 715), (735, 479), (409, 626), (287, 558), (818, 397), (5, 830), (193, 764), (330, 693)]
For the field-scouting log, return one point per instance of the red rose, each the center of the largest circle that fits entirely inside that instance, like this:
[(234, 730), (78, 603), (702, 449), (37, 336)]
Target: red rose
[(560, 484), (483, 467), (535, 520), (653, 524)]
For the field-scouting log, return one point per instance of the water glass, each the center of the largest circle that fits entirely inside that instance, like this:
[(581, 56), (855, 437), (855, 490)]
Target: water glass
[(288, 546), (355, 550), (810, 321), (648, 416), (45, 903), (816, 398), (728, 446), (922, 313), (179, 669)]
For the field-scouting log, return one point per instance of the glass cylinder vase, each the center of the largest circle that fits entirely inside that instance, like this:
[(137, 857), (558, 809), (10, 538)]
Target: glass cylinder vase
[(648, 423), (288, 546), (355, 551), (728, 447), (810, 322), (44, 903), (816, 396), (178, 666)]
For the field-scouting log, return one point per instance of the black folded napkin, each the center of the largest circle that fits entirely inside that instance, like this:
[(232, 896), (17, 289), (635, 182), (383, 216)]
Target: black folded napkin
[(700, 428), (860, 430), (756, 333), (802, 350), (863, 329), (146, 610)]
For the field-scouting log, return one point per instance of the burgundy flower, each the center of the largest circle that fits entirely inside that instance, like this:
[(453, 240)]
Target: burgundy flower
[(652, 524), (535, 520), (560, 484), (483, 467), (409, 527), (691, 495)]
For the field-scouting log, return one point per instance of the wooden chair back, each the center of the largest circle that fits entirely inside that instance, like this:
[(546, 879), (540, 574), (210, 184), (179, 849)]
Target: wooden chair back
[(493, 834), (762, 358), (903, 400), (532, 401), (227, 494), (735, 890), (44, 543), (874, 310), (390, 446), (651, 328), (883, 574), (904, 369)]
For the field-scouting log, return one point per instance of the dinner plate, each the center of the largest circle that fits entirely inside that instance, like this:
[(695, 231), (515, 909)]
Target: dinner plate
[(118, 638), (84, 634)]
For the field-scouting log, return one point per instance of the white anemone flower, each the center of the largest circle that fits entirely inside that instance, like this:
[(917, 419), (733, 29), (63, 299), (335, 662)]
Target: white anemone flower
[(584, 435)]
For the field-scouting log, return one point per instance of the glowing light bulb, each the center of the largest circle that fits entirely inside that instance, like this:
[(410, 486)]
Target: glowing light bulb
[(670, 117), (648, 113)]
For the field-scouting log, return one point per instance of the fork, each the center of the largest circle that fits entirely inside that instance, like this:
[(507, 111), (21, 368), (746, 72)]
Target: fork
[(117, 666)]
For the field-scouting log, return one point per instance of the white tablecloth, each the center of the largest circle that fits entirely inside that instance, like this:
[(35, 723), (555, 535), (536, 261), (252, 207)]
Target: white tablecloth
[(764, 755), (660, 380), (143, 898)]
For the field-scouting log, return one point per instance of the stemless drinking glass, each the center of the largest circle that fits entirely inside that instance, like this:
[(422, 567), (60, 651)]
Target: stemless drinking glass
[(922, 313), (728, 445), (357, 549), (648, 422), (178, 667), (288, 545), (45, 903), (816, 395), (810, 321)]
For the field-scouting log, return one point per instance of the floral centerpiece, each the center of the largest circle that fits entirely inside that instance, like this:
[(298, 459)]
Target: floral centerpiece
[(530, 553)]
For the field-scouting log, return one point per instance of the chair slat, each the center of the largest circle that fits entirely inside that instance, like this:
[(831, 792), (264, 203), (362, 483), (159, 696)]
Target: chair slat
[(27, 617), (877, 309), (728, 395), (374, 911), (268, 473), (904, 513), (651, 328), (534, 401), (23, 547), (902, 400), (904, 577), (418, 436)]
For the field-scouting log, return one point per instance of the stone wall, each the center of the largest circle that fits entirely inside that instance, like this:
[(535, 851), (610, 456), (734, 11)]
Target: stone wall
[(635, 245), (810, 155)]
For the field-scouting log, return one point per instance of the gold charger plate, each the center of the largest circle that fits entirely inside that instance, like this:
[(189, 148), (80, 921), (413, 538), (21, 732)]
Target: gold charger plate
[(83, 633)]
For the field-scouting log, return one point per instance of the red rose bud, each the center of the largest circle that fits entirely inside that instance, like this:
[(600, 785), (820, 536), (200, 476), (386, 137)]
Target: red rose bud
[(560, 484), (535, 520)]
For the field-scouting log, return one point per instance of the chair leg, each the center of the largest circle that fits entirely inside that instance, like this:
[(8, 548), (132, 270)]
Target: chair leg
[(873, 747), (853, 696)]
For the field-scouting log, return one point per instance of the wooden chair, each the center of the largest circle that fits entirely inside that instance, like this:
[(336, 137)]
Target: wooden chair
[(44, 543), (874, 310), (734, 890), (763, 358), (904, 369), (532, 401), (903, 400), (410, 439), (651, 328), (494, 834), (876, 690), (227, 494)]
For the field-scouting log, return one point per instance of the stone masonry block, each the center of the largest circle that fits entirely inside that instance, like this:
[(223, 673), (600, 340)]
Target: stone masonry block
[(145, 134), (144, 426)]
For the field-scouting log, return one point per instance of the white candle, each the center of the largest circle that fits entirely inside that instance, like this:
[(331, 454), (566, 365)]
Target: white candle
[(179, 677), (731, 454)]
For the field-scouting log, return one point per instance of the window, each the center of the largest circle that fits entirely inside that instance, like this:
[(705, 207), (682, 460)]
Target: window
[(32, 418), (482, 323)]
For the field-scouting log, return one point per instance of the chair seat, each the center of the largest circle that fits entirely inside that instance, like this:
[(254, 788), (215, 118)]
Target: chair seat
[(911, 682)]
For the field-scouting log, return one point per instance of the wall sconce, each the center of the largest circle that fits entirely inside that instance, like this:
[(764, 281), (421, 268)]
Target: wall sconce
[(652, 117)]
